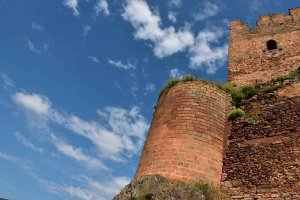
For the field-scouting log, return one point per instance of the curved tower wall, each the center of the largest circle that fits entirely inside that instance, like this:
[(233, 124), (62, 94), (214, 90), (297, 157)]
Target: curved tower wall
[(187, 135)]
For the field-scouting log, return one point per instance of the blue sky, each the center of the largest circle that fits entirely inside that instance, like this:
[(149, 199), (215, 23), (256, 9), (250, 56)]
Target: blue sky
[(79, 78)]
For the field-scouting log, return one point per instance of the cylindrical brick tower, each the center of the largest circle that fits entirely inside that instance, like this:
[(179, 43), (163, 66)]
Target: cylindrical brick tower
[(187, 134)]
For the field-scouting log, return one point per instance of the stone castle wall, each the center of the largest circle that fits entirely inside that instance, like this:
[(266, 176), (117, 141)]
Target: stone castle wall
[(263, 157), (250, 60), (255, 157), (187, 134)]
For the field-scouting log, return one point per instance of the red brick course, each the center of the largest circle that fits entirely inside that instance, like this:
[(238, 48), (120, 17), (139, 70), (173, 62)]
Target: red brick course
[(186, 137)]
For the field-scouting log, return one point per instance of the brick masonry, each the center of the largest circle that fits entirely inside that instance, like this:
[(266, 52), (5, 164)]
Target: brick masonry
[(250, 61), (254, 157), (187, 134), (263, 157)]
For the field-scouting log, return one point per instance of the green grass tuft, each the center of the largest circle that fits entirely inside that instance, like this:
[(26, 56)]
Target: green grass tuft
[(235, 113), (294, 74), (169, 84), (272, 88), (236, 94), (189, 77)]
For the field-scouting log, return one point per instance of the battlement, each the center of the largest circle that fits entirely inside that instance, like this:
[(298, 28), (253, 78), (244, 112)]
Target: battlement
[(237, 27), (266, 51)]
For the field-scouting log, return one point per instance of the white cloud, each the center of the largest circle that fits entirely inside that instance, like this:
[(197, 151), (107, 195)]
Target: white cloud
[(78, 155), (166, 41), (91, 189), (172, 16), (83, 187), (78, 193), (204, 55), (72, 4), (9, 157), (94, 59), (18, 161), (117, 85), (150, 87), (176, 3), (134, 89), (33, 102), (173, 42), (102, 6), (109, 188), (32, 47), (202, 50), (7, 81), (37, 26), (46, 46), (209, 9), (86, 30), (27, 143), (176, 73), (120, 64), (118, 134)]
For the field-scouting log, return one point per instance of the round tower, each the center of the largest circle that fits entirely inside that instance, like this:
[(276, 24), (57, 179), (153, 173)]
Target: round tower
[(187, 134)]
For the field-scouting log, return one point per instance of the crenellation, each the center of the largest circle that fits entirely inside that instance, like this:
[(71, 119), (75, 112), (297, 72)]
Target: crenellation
[(295, 13), (250, 60)]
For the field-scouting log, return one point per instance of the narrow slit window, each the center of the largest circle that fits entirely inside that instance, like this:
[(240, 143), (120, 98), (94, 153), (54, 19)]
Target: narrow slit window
[(271, 45)]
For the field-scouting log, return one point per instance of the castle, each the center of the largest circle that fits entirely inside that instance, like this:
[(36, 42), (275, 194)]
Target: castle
[(254, 157)]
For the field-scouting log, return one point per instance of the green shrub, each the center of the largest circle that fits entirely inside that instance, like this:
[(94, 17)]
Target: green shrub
[(210, 191), (249, 90), (235, 113), (273, 88), (236, 94), (294, 74), (189, 77), (169, 84)]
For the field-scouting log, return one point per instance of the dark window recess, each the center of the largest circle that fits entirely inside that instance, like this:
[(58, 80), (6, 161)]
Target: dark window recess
[(271, 45)]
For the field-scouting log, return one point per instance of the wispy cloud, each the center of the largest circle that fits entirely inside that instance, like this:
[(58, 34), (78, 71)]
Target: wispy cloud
[(84, 187), (86, 30), (27, 143), (35, 103), (88, 188), (18, 161), (120, 64), (172, 16), (149, 88), (117, 85), (176, 73), (32, 47), (134, 89), (117, 136), (78, 155), (72, 4), (37, 26), (176, 3), (102, 7), (208, 9), (94, 59), (7, 81)]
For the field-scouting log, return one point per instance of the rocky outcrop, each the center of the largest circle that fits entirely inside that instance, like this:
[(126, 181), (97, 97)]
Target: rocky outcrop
[(160, 188)]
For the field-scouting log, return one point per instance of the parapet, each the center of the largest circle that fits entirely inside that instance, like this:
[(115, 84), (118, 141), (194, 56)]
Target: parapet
[(271, 20), (269, 50), (187, 134)]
